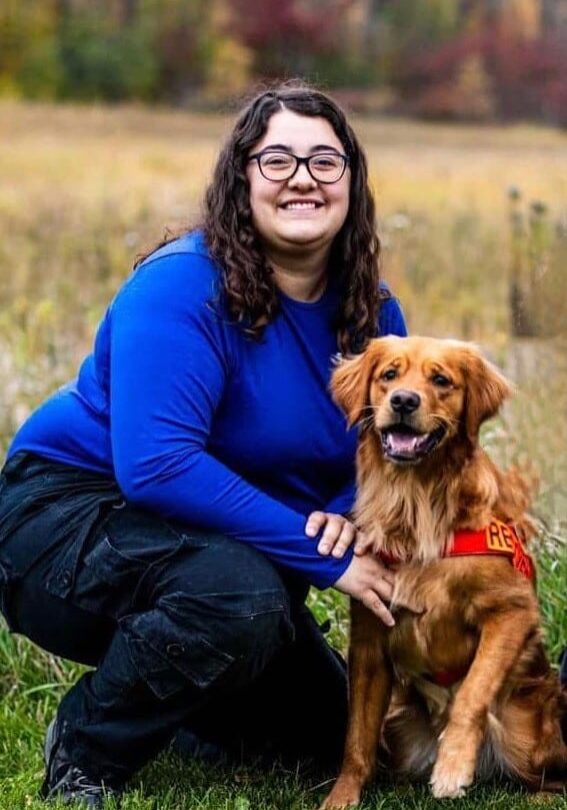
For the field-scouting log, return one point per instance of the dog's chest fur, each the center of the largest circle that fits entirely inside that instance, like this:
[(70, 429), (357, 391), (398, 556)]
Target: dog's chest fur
[(433, 632), (410, 514)]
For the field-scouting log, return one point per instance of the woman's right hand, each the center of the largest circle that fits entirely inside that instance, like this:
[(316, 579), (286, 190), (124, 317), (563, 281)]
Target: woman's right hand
[(368, 580)]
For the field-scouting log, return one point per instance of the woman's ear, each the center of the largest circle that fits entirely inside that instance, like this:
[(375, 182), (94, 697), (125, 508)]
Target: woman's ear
[(486, 390), (350, 382)]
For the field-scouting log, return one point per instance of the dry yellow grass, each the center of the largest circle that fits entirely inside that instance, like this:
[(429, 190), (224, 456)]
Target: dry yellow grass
[(84, 189)]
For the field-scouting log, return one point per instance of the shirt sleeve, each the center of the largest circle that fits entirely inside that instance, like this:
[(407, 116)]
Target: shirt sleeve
[(170, 358), (343, 501), (391, 321)]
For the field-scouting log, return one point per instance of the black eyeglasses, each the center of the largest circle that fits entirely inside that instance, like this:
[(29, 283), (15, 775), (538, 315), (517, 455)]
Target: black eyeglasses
[(324, 167)]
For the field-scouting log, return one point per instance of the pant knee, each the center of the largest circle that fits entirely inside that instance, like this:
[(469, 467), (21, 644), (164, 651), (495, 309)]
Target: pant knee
[(255, 639)]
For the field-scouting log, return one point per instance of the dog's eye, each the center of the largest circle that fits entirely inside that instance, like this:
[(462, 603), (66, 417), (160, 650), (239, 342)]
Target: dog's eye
[(391, 374), (441, 380)]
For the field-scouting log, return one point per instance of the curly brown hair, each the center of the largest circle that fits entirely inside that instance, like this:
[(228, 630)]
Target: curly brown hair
[(247, 280)]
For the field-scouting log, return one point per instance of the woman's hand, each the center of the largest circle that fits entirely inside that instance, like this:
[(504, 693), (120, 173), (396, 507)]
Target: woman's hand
[(338, 534), (369, 581), (366, 579)]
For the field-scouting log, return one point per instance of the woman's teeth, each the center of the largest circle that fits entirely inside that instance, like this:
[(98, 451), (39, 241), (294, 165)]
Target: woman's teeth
[(299, 206)]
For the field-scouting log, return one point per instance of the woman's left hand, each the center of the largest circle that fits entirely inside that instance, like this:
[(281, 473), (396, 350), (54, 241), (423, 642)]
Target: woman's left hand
[(338, 532)]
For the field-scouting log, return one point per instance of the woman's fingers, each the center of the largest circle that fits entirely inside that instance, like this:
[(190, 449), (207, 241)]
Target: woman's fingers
[(363, 544), (338, 532), (373, 602), (344, 540), (364, 579), (337, 536), (315, 523), (384, 588)]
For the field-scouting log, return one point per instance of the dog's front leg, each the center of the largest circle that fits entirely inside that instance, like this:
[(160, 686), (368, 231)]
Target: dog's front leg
[(370, 687), (502, 638)]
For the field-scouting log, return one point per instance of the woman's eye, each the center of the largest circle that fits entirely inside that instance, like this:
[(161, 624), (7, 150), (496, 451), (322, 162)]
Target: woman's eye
[(276, 161), (441, 380), (389, 375), (325, 163)]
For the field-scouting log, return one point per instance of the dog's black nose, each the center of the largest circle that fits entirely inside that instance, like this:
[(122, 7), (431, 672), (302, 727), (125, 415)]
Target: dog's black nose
[(405, 401)]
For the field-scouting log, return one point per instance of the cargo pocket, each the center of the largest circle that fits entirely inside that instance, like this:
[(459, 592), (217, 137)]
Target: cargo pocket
[(111, 576), (169, 657)]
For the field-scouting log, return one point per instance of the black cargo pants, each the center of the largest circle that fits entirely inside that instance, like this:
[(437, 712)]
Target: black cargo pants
[(184, 628)]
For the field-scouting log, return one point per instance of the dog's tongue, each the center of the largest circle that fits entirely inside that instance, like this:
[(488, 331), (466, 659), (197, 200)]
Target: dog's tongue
[(405, 443)]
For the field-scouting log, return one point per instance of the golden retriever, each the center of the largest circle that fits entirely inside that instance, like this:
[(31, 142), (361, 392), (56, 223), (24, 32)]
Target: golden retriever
[(461, 686)]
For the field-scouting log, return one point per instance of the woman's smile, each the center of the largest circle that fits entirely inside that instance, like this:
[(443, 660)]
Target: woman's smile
[(304, 206)]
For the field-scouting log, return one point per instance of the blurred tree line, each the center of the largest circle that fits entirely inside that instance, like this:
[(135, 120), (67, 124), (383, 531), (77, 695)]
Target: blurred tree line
[(452, 59)]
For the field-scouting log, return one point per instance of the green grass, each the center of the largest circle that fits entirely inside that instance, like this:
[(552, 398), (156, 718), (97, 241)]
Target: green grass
[(86, 189), (32, 683), (171, 785)]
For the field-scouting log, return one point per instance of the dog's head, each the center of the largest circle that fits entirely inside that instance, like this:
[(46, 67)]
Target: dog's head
[(418, 394)]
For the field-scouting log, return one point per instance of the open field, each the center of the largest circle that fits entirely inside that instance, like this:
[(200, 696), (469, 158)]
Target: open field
[(84, 190)]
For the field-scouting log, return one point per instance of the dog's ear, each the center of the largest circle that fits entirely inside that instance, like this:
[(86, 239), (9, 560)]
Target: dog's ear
[(350, 382), (486, 390)]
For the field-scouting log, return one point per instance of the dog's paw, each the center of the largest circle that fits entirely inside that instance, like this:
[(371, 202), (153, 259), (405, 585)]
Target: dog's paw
[(344, 794), (449, 780)]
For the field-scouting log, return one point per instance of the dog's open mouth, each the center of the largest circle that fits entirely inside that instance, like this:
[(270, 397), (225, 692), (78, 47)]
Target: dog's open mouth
[(405, 445)]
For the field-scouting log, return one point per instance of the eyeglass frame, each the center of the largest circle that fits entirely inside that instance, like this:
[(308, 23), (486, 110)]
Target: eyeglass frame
[(298, 162)]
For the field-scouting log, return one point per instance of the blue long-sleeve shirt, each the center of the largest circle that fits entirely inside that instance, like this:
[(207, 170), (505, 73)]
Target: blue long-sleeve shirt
[(200, 423)]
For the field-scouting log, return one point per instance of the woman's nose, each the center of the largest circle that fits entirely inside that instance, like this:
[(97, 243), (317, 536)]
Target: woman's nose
[(301, 178)]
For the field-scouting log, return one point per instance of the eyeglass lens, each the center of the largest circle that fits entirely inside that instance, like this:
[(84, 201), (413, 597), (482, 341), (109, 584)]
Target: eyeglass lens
[(327, 168)]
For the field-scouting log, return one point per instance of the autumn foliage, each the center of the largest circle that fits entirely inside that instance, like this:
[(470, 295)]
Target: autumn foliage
[(473, 59), (486, 75)]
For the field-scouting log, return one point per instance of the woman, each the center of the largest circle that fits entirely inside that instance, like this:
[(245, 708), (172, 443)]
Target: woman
[(163, 515)]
